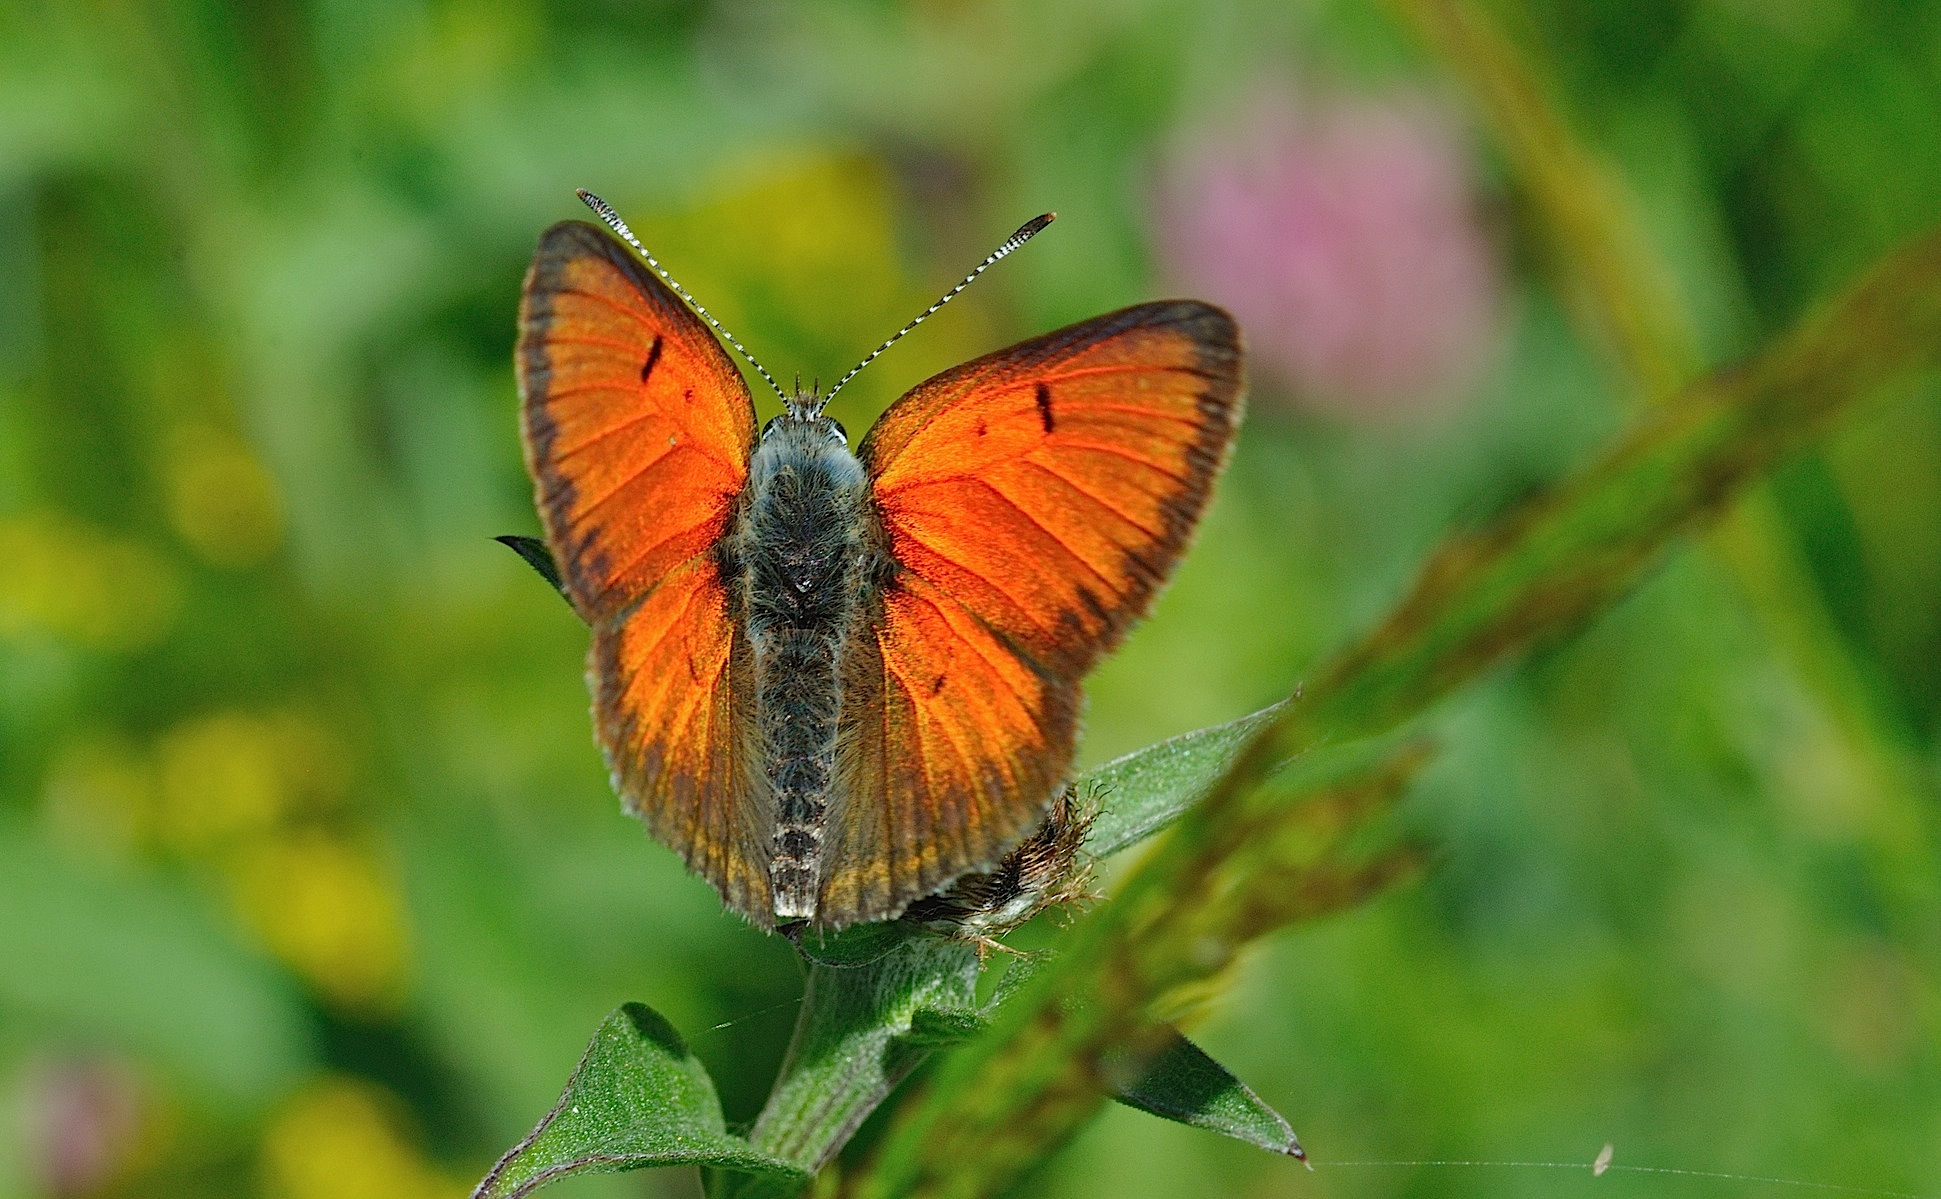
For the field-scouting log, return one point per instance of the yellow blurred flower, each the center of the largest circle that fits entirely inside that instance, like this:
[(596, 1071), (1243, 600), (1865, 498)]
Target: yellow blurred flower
[(797, 230), (233, 775), (798, 254), (222, 501), (220, 781), (344, 1138), (61, 578), (331, 910)]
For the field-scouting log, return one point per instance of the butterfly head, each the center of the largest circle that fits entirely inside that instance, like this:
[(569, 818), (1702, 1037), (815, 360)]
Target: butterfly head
[(803, 427), (802, 422)]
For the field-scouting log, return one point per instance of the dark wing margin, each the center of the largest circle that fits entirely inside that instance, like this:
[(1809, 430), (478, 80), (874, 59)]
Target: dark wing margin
[(637, 430), (1035, 501)]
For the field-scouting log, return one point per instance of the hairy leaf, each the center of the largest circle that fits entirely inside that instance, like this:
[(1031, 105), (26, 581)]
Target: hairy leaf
[(1181, 1083), (857, 945), (637, 1099), (1147, 789)]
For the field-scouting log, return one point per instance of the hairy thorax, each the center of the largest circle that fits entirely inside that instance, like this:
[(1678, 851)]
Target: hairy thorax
[(801, 560)]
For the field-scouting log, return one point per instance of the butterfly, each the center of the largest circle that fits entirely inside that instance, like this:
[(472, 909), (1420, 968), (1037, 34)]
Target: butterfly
[(835, 682)]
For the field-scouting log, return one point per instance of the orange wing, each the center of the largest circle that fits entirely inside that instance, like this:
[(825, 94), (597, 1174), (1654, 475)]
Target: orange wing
[(1034, 500), (637, 432)]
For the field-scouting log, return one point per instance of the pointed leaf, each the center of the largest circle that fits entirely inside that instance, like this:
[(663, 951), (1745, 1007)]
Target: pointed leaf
[(1181, 1083), (637, 1099), (1147, 789), (537, 556), (1184, 1085)]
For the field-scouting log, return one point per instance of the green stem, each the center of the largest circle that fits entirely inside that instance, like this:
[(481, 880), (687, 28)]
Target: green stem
[(1019, 1091), (848, 1053), (1626, 296)]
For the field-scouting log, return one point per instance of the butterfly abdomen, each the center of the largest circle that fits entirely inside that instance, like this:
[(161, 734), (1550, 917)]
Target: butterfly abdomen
[(802, 543)]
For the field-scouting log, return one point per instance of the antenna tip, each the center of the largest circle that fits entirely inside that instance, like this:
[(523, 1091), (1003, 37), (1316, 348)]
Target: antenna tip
[(1031, 227)]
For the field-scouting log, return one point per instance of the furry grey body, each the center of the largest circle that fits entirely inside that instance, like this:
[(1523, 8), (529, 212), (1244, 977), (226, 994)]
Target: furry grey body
[(801, 557)]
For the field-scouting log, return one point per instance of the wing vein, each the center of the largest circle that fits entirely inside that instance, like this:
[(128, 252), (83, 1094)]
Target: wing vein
[(995, 636), (569, 339), (992, 487), (1058, 374), (1047, 469), (1013, 600), (620, 572), (1118, 452), (644, 318), (560, 393), (590, 505), (560, 455)]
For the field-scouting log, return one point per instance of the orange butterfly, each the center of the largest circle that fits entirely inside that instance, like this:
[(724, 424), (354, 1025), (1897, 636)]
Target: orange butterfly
[(836, 682)]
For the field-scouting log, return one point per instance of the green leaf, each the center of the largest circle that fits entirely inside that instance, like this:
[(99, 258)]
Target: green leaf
[(939, 1027), (637, 1099), (853, 1042), (1227, 872), (1181, 1083), (1147, 789), (537, 556), (857, 945)]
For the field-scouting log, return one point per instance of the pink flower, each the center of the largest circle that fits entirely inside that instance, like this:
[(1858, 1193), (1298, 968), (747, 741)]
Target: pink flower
[(1346, 238), (83, 1120)]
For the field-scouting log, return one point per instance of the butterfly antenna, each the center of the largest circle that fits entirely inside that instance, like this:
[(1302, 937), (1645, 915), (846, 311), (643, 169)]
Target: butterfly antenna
[(1025, 233), (605, 212)]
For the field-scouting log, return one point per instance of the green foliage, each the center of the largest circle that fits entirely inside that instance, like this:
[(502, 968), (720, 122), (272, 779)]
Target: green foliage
[(1180, 1082), (303, 846), (851, 1044), (536, 555), (149, 968), (1259, 850), (1146, 790), (638, 1098), (877, 1001)]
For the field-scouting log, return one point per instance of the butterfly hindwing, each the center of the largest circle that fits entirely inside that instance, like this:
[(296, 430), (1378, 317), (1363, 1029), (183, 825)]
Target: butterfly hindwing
[(1034, 501), (637, 431)]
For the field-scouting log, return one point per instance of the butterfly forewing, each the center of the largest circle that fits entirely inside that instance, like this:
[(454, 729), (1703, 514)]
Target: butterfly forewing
[(637, 431), (1033, 502)]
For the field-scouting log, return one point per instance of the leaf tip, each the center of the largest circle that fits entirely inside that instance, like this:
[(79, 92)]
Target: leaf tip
[(536, 555)]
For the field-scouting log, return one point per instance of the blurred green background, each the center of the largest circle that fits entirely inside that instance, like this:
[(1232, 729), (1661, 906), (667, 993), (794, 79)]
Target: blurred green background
[(311, 883)]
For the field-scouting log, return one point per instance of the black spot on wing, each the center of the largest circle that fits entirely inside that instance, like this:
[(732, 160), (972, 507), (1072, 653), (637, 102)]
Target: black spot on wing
[(653, 359), (1044, 407)]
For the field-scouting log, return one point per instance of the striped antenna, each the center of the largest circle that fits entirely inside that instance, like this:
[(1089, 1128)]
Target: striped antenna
[(1025, 233), (605, 212)]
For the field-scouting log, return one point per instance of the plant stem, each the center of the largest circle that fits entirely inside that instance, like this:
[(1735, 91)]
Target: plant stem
[(1624, 293), (846, 1054), (1020, 1090)]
